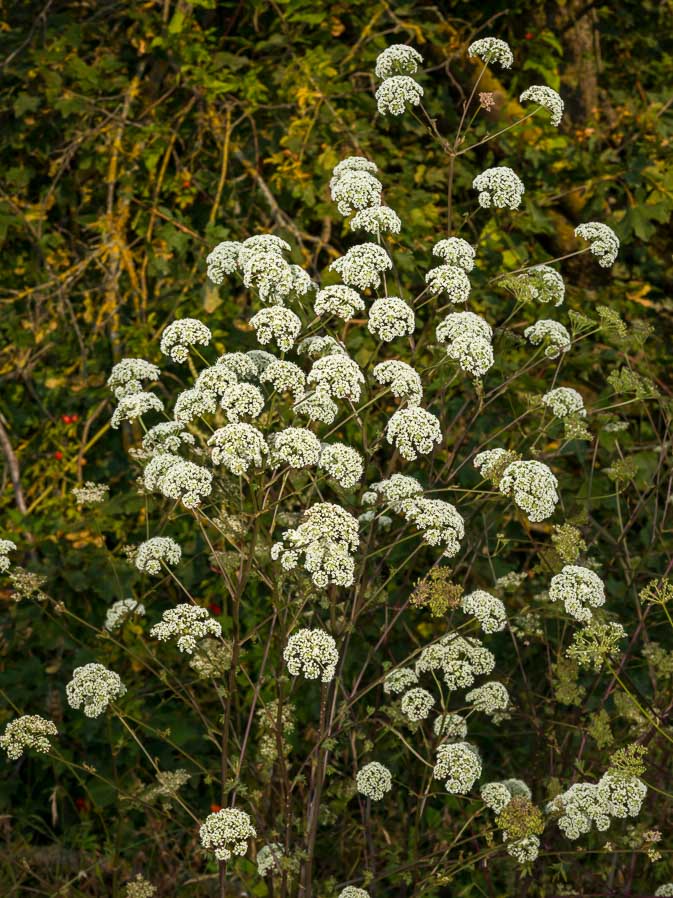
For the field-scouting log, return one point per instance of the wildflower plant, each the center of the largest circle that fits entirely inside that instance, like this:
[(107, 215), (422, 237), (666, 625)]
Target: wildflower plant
[(363, 433)]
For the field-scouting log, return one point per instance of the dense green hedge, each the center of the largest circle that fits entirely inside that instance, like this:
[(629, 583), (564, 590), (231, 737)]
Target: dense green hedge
[(137, 136)]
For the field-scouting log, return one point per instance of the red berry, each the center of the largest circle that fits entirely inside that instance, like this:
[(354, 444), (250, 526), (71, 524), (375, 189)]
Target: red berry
[(80, 803), (216, 609), (58, 455), (529, 35), (74, 418), (215, 808), (66, 419)]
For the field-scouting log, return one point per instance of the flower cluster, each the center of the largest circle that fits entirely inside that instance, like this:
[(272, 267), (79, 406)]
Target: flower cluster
[(533, 488), (450, 726), (135, 405), (338, 300), (355, 190), (180, 335), (91, 493), (226, 833), (187, 624), (459, 659), (6, 546), (492, 49), (297, 447), (547, 98), (449, 279), (489, 698), (29, 731), (564, 401), (403, 380), (337, 376), (468, 341), (552, 334), (326, 537), (398, 59), (93, 687), (416, 704), (489, 611), (374, 780), (277, 323), (178, 479), (128, 375), (397, 93), (390, 318), (459, 765), (376, 221), (311, 653), (542, 284), (268, 858), (455, 251), (440, 522), (342, 463), (120, 611), (155, 551), (238, 447), (362, 266), (399, 680), (580, 590), (499, 187), (604, 242), (413, 431)]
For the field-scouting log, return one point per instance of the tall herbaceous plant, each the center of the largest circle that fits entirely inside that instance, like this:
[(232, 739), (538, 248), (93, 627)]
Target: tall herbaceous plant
[(351, 699)]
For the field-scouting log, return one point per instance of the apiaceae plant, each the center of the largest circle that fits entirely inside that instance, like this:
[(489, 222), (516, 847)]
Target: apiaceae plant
[(357, 482)]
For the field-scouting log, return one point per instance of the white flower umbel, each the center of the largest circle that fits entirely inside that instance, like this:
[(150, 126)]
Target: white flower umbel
[(311, 654), (277, 324), (315, 347), (317, 406), (397, 93), (499, 187), (337, 376), (473, 355), (296, 447), (242, 401), (353, 892), (398, 681), (416, 704), (459, 765), (29, 731), (180, 335), (604, 242), (546, 97), (239, 447), (552, 334), (580, 590), (459, 659), (355, 190), (373, 780), (271, 276), (492, 49), (533, 488), (327, 537), (665, 890), (91, 493), (488, 461), (194, 403), (178, 479), (377, 220), (268, 859), (226, 833), (156, 550), (261, 359), (581, 807), (413, 431), (488, 698), (395, 491), (487, 609), (222, 260), (495, 796), (342, 463), (390, 318), (450, 726), (525, 850), (187, 624), (440, 522), (455, 251), (362, 266), (240, 364), (261, 244), (463, 324), (542, 284), (564, 401), (338, 300), (168, 436), (120, 612), (623, 795), (215, 379), (284, 377), (404, 381), (135, 405), (351, 164), (128, 375), (397, 59), (451, 280), (92, 688)]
